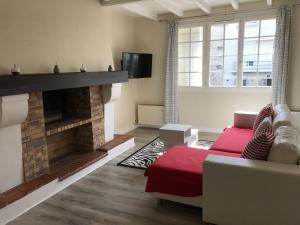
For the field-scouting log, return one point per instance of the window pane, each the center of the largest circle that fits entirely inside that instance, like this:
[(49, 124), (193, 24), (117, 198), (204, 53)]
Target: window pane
[(231, 47), (265, 79), (250, 64), (231, 30), (266, 45), (268, 27), (196, 65), (183, 49), (216, 79), (249, 80), (216, 64), (252, 28), (230, 79), (183, 65), (183, 34), (230, 63), (265, 63), (217, 32), (196, 33), (251, 46), (196, 79), (183, 79), (216, 48), (196, 49)]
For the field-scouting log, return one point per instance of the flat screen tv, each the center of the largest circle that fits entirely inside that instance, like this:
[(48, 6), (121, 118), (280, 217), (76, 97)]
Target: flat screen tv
[(138, 65)]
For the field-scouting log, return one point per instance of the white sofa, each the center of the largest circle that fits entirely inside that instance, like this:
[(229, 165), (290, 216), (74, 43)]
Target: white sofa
[(238, 191)]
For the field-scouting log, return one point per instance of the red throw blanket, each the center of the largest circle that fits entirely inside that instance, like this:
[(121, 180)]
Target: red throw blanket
[(179, 171)]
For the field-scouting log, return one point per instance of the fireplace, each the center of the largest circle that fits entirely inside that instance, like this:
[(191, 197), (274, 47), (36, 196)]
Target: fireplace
[(60, 123)]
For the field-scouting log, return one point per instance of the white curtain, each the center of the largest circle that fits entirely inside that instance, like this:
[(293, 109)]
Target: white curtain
[(281, 55), (171, 110)]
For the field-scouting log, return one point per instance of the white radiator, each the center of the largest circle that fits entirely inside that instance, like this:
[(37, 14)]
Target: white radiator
[(151, 115)]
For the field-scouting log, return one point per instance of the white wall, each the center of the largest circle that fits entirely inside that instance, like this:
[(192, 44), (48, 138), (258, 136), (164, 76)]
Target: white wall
[(212, 110), (151, 37)]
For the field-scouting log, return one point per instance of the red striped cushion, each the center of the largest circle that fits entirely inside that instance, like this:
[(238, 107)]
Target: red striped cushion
[(259, 146), (264, 112)]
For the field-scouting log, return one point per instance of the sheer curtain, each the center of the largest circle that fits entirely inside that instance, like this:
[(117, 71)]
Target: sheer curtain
[(281, 55), (171, 109)]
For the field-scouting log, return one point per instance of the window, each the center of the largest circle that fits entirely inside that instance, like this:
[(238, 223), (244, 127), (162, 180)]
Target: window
[(236, 54), (258, 52), (223, 55), (190, 56)]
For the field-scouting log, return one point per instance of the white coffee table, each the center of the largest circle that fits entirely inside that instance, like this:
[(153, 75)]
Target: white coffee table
[(178, 134)]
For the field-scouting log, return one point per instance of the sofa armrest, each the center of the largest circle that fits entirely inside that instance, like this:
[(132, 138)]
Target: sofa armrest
[(238, 191), (243, 119)]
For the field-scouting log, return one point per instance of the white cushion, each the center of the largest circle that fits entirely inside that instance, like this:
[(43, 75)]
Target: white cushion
[(280, 108), (282, 119), (285, 148)]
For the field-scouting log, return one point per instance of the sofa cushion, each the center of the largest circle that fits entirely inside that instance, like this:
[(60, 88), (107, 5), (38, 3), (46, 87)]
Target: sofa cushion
[(264, 125), (279, 108), (179, 171), (282, 119), (285, 148), (233, 139), (264, 112), (259, 146)]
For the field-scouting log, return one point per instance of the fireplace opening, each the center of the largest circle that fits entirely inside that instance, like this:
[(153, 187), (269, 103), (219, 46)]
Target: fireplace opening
[(63, 105), (54, 105)]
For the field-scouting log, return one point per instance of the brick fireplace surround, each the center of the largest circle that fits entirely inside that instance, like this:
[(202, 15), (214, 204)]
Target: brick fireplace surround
[(81, 131)]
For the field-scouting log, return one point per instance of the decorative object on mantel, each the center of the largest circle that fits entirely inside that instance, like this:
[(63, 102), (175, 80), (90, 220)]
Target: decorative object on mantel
[(82, 69), (109, 68), (56, 69), (15, 70)]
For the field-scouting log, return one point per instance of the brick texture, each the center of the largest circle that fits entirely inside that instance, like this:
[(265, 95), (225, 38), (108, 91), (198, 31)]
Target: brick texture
[(35, 156), (81, 131)]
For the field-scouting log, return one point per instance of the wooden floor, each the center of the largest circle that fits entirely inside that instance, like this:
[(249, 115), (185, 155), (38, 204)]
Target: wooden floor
[(112, 195)]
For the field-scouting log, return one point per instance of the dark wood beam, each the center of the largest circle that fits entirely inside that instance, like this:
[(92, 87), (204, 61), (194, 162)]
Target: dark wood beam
[(20, 84)]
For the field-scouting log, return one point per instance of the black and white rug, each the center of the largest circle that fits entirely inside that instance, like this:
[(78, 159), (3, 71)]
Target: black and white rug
[(143, 158)]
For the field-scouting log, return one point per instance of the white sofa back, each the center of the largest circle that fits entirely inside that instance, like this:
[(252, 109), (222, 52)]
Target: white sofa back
[(286, 146)]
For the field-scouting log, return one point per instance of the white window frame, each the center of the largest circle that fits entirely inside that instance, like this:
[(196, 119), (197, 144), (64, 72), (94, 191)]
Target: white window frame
[(203, 52), (206, 23)]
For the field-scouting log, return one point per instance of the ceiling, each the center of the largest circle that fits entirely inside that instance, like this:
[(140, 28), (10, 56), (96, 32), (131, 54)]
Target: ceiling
[(153, 8)]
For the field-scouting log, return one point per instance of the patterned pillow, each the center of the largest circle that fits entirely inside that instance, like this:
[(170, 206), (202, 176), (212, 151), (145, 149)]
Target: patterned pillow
[(264, 125), (259, 146), (264, 112)]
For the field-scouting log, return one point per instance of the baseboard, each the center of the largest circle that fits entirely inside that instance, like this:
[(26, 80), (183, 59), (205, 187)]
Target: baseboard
[(24, 204)]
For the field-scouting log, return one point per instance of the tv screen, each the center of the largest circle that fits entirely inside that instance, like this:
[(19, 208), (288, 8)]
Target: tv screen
[(138, 65)]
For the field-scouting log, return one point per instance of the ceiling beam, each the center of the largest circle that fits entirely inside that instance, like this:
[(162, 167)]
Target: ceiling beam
[(202, 4), (116, 2), (235, 4), (168, 5), (269, 2), (140, 10)]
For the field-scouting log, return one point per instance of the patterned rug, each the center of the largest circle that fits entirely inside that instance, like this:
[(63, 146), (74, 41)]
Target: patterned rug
[(143, 158)]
